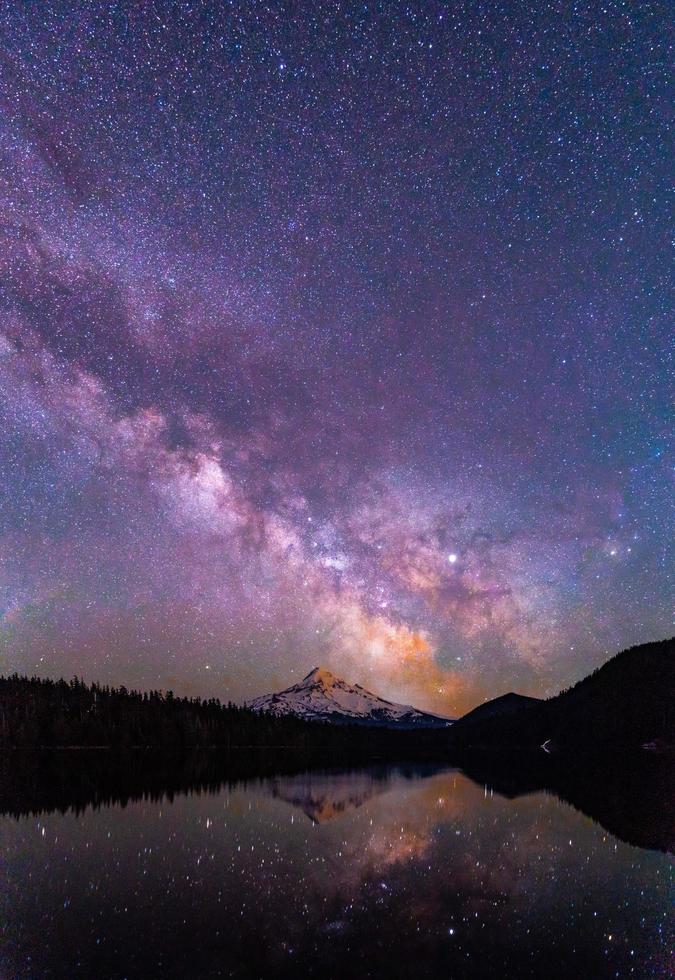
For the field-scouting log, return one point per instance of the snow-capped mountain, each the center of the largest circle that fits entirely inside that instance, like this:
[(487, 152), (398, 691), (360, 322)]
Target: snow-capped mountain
[(321, 696)]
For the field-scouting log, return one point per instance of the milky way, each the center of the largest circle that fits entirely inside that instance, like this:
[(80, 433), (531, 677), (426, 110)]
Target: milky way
[(333, 334)]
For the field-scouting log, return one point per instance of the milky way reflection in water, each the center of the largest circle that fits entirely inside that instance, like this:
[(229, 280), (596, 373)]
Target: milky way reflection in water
[(382, 872)]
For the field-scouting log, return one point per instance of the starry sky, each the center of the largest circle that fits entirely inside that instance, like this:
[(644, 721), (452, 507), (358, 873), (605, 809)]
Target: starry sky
[(333, 333)]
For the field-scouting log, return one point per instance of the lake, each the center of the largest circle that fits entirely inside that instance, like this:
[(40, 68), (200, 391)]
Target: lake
[(386, 871)]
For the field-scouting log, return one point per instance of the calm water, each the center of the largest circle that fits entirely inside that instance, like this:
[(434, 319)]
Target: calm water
[(388, 872)]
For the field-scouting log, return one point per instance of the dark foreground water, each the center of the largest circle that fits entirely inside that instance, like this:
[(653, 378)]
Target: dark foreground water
[(382, 872)]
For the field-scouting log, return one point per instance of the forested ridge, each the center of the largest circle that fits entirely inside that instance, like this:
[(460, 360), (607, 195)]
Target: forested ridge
[(629, 700), (36, 711)]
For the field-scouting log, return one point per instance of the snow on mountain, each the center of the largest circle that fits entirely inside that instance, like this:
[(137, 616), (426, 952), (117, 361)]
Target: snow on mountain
[(321, 696)]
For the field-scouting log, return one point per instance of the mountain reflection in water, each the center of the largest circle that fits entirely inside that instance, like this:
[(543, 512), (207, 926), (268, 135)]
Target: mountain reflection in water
[(389, 870), (323, 795)]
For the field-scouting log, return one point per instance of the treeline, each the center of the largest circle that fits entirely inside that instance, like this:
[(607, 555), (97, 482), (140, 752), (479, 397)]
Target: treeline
[(39, 712), (35, 712), (629, 701)]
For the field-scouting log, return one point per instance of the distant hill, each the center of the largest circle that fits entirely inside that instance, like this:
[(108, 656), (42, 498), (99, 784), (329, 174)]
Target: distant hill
[(321, 696), (629, 701), (502, 707)]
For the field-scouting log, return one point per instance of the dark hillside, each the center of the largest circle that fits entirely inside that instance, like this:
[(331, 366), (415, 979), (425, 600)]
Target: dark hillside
[(504, 706), (629, 701)]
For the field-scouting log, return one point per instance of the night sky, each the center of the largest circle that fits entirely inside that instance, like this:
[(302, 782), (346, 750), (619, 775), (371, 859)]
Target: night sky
[(333, 334)]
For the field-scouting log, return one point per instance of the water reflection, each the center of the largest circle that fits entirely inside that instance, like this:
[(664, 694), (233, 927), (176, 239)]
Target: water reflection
[(392, 871), (322, 796)]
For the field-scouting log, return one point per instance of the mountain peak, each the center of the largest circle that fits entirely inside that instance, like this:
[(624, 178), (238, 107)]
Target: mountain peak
[(320, 675), (321, 696)]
